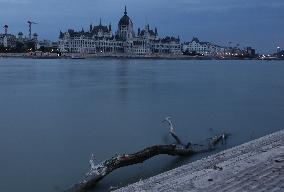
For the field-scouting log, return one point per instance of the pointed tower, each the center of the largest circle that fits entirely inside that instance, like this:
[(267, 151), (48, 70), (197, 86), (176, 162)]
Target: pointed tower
[(156, 31), (61, 35), (125, 10), (109, 27), (110, 30)]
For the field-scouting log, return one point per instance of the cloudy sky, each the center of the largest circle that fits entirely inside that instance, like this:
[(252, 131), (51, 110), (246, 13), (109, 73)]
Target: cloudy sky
[(257, 23)]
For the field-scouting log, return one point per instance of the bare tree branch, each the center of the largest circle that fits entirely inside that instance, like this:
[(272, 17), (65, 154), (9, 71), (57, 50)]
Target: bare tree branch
[(172, 131), (98, 172)]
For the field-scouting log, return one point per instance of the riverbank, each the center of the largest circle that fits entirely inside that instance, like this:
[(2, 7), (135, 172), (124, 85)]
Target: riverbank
[(166, 57), (255, 166), (32, 55), (111, 56), (39, 55)]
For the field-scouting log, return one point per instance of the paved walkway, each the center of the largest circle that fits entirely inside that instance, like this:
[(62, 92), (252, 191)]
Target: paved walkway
[(254, 166)]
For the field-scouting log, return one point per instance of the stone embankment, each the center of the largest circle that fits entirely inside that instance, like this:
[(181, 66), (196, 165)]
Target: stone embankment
[(255, 166)]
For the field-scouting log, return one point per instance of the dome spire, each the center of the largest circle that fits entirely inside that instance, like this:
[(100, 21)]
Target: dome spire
[(125, 10)]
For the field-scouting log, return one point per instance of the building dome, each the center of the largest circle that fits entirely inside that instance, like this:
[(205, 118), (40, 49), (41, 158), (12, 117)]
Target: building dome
[(125, 20), (20, 34), (125, 27)]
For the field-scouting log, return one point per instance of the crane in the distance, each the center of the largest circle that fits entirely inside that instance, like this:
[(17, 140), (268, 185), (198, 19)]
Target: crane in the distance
[(30, 28)]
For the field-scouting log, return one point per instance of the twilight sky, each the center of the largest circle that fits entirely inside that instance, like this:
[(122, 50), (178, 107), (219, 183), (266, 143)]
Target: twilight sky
[(257, 23)]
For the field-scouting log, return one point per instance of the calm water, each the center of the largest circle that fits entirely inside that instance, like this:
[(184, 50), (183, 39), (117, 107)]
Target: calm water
[(55, 113)]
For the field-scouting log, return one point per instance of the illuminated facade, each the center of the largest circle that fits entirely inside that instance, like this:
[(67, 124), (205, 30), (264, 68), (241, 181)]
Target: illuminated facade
[(100, 39)]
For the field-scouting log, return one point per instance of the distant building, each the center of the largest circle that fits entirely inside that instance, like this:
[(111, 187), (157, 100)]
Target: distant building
[(20, 37), (35, 37), (23, 39), (279, 54), (204, 48), (47, 44), (250, 52), (12, 39), (100, 39), (8, 40), (13, 43)]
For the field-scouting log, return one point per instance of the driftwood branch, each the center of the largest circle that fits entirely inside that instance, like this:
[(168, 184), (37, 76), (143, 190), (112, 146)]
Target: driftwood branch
[(172, 131), (98, 172)]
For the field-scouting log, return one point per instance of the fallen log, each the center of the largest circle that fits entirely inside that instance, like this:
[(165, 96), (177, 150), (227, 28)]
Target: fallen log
[(98, 172)]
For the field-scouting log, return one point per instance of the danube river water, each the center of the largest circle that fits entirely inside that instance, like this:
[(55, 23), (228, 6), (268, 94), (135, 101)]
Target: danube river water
[(55, 113)]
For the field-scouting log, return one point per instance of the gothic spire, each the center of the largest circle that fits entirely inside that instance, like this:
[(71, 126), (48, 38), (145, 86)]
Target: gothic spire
[(109, 27), (125, 11)]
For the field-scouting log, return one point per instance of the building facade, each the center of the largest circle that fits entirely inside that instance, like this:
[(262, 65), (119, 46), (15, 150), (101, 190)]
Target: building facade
[(203, 48), (11, 41), (101, 39), (8, 40)]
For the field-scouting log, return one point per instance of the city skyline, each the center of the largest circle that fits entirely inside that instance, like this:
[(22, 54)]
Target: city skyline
[(254, 23)]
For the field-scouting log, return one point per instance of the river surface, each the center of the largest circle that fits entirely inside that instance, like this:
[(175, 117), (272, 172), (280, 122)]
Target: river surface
[(55, 113)]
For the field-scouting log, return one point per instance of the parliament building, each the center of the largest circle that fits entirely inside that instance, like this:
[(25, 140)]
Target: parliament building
[(101, 39)]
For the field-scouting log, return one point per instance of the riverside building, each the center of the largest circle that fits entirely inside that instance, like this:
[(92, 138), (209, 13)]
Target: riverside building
[(101, 39), (10, 40), (204, 48)]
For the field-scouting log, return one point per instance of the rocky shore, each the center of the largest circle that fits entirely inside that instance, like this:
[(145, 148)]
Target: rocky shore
[(255, 166)]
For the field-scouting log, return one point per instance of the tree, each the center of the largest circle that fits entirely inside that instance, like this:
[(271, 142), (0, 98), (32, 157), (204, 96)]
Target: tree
[(30, 46), (19, 47)]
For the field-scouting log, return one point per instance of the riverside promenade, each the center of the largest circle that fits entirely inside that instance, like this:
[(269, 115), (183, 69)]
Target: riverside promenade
[(254, 166)]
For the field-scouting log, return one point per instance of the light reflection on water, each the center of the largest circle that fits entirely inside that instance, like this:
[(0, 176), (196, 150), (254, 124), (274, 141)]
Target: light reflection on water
[(55, 113)]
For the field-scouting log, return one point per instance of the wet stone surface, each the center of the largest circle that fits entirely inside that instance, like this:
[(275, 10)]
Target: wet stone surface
[(254, 166)]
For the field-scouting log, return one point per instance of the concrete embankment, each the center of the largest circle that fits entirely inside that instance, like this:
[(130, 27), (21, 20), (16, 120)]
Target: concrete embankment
[(39, 55), (31, 55), (254, 166)]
